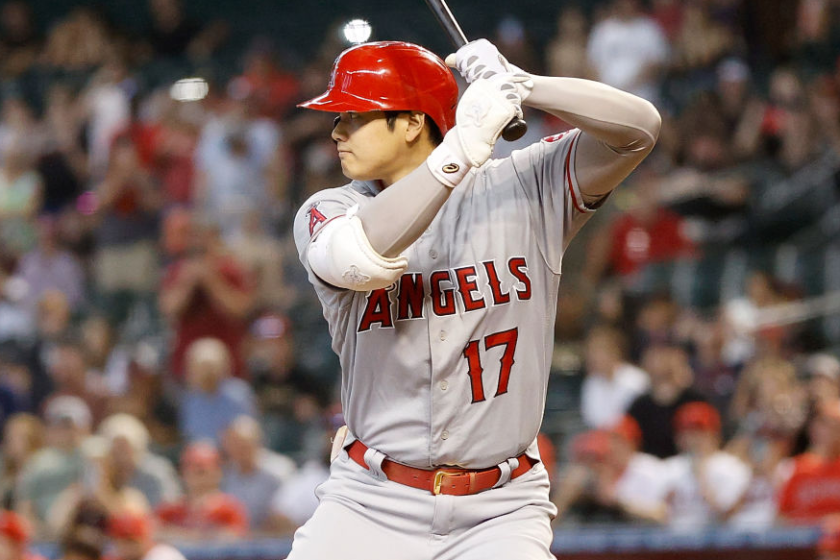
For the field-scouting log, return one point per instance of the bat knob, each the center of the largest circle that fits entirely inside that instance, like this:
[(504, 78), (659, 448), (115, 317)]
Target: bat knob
[(515, 129)]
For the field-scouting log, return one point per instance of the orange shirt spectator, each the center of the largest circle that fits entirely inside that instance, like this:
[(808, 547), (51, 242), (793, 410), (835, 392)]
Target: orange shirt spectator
[(813, 490)]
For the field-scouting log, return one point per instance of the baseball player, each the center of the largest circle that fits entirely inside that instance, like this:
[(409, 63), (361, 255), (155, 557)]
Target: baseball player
[(437, 269)]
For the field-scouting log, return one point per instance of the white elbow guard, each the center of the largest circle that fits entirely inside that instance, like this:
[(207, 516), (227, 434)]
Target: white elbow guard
[(342, 256)]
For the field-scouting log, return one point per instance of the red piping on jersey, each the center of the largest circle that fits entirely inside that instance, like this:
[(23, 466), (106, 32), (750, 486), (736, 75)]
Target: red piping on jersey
[(582, 209)]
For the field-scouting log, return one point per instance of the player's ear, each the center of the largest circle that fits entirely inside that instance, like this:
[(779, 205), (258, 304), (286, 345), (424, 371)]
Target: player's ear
[(416, 122)]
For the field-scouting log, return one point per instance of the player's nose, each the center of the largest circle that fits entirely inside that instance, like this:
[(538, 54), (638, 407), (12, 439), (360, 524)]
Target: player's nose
[(338, 132)]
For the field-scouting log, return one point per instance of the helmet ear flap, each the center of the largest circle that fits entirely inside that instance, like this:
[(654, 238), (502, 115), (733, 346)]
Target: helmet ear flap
[(390, 76)]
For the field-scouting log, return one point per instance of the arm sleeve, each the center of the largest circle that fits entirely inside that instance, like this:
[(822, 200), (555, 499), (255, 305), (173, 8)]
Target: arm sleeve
[(619, 129), (397, 216)]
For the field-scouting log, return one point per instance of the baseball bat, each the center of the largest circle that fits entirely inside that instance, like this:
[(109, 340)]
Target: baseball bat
[(516, 127)]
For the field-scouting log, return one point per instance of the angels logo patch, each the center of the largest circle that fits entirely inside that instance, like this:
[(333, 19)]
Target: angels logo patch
[(315, 218), (555, 137)]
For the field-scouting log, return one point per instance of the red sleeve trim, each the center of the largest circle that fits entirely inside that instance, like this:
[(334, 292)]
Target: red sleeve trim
[(573, 191)]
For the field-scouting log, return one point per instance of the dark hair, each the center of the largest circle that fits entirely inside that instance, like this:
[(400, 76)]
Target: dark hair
[(435, 135)]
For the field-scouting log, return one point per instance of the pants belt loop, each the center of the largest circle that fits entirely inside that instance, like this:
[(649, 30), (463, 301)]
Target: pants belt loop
[(506, 467), (373, 459)]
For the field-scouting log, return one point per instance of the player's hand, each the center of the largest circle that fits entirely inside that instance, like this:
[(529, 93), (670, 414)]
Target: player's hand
[(484, 110), (480, 59)]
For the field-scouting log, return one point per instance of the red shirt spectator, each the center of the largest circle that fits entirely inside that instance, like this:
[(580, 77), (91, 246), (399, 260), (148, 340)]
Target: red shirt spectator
[(207, 294), (636, 243)]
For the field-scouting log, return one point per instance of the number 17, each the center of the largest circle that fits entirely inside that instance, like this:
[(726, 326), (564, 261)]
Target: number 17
[(471, 353)]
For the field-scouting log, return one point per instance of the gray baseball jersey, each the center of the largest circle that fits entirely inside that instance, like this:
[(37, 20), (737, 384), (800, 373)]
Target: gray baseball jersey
[(449, 365)]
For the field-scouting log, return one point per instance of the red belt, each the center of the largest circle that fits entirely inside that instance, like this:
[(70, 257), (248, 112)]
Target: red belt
[(452, 481)]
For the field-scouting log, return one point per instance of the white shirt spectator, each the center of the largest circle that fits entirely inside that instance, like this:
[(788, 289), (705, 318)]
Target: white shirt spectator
[(296, 499), (604, 400), (163, 552), (725, 479), (623, 51), (643, 483)]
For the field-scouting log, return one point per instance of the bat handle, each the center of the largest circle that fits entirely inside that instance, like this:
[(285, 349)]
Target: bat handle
[(515, 129)]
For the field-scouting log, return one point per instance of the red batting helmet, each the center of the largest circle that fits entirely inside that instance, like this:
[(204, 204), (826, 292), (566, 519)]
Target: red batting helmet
[(390, 76)]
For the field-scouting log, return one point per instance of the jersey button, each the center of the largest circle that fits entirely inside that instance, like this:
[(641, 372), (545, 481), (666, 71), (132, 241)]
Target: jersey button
[(433, 254), (442, 335), (444, 435), (444, 385)]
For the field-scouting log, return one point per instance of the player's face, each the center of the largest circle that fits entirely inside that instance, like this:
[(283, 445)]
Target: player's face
[(368, 149)]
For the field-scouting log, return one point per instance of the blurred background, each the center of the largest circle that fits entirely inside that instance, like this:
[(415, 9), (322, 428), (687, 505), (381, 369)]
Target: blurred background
[(165, 370)]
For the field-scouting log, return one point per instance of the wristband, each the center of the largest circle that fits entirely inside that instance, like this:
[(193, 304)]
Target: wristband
[(447, 166)]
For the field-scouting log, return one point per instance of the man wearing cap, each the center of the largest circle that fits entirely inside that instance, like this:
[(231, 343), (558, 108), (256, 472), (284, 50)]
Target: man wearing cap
[(704, 485), (204, 511), (620, 477), (58, 466), (14, 538), (133, 536)]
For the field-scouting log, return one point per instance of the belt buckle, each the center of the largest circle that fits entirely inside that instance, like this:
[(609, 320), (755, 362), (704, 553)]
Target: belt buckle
[(438, 482)]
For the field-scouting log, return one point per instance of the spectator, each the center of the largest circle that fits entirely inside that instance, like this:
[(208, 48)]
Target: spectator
[(133, 465), (274, 90), (71, 376), (700, 43), (636, 485), (576, 495), (21, 191), (253, 474), (823, 385), (132, 534), (213, 398), (626, 480), (628, 50), (296, 500), (63, 161), (704, 484), (59, 466), (207, 293), (16, 323), (84, 536), (79, 42), (15, 382), (768, 397), (810, 492), (611, 383), (107, 106), (127, 260), (19, 40), (173, 34), (205, 512), (566, 52), (264, 256), (14, 538), (767, 455), (241, 165), (671, 380), (51, 267), (23, 436), (645, 234), (740, 318)]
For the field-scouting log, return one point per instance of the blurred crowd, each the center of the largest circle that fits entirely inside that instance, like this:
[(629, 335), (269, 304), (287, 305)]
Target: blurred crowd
[(165, 371)]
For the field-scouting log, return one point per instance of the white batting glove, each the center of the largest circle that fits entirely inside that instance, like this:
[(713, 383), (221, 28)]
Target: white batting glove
[(484, 110), (480, 59)]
